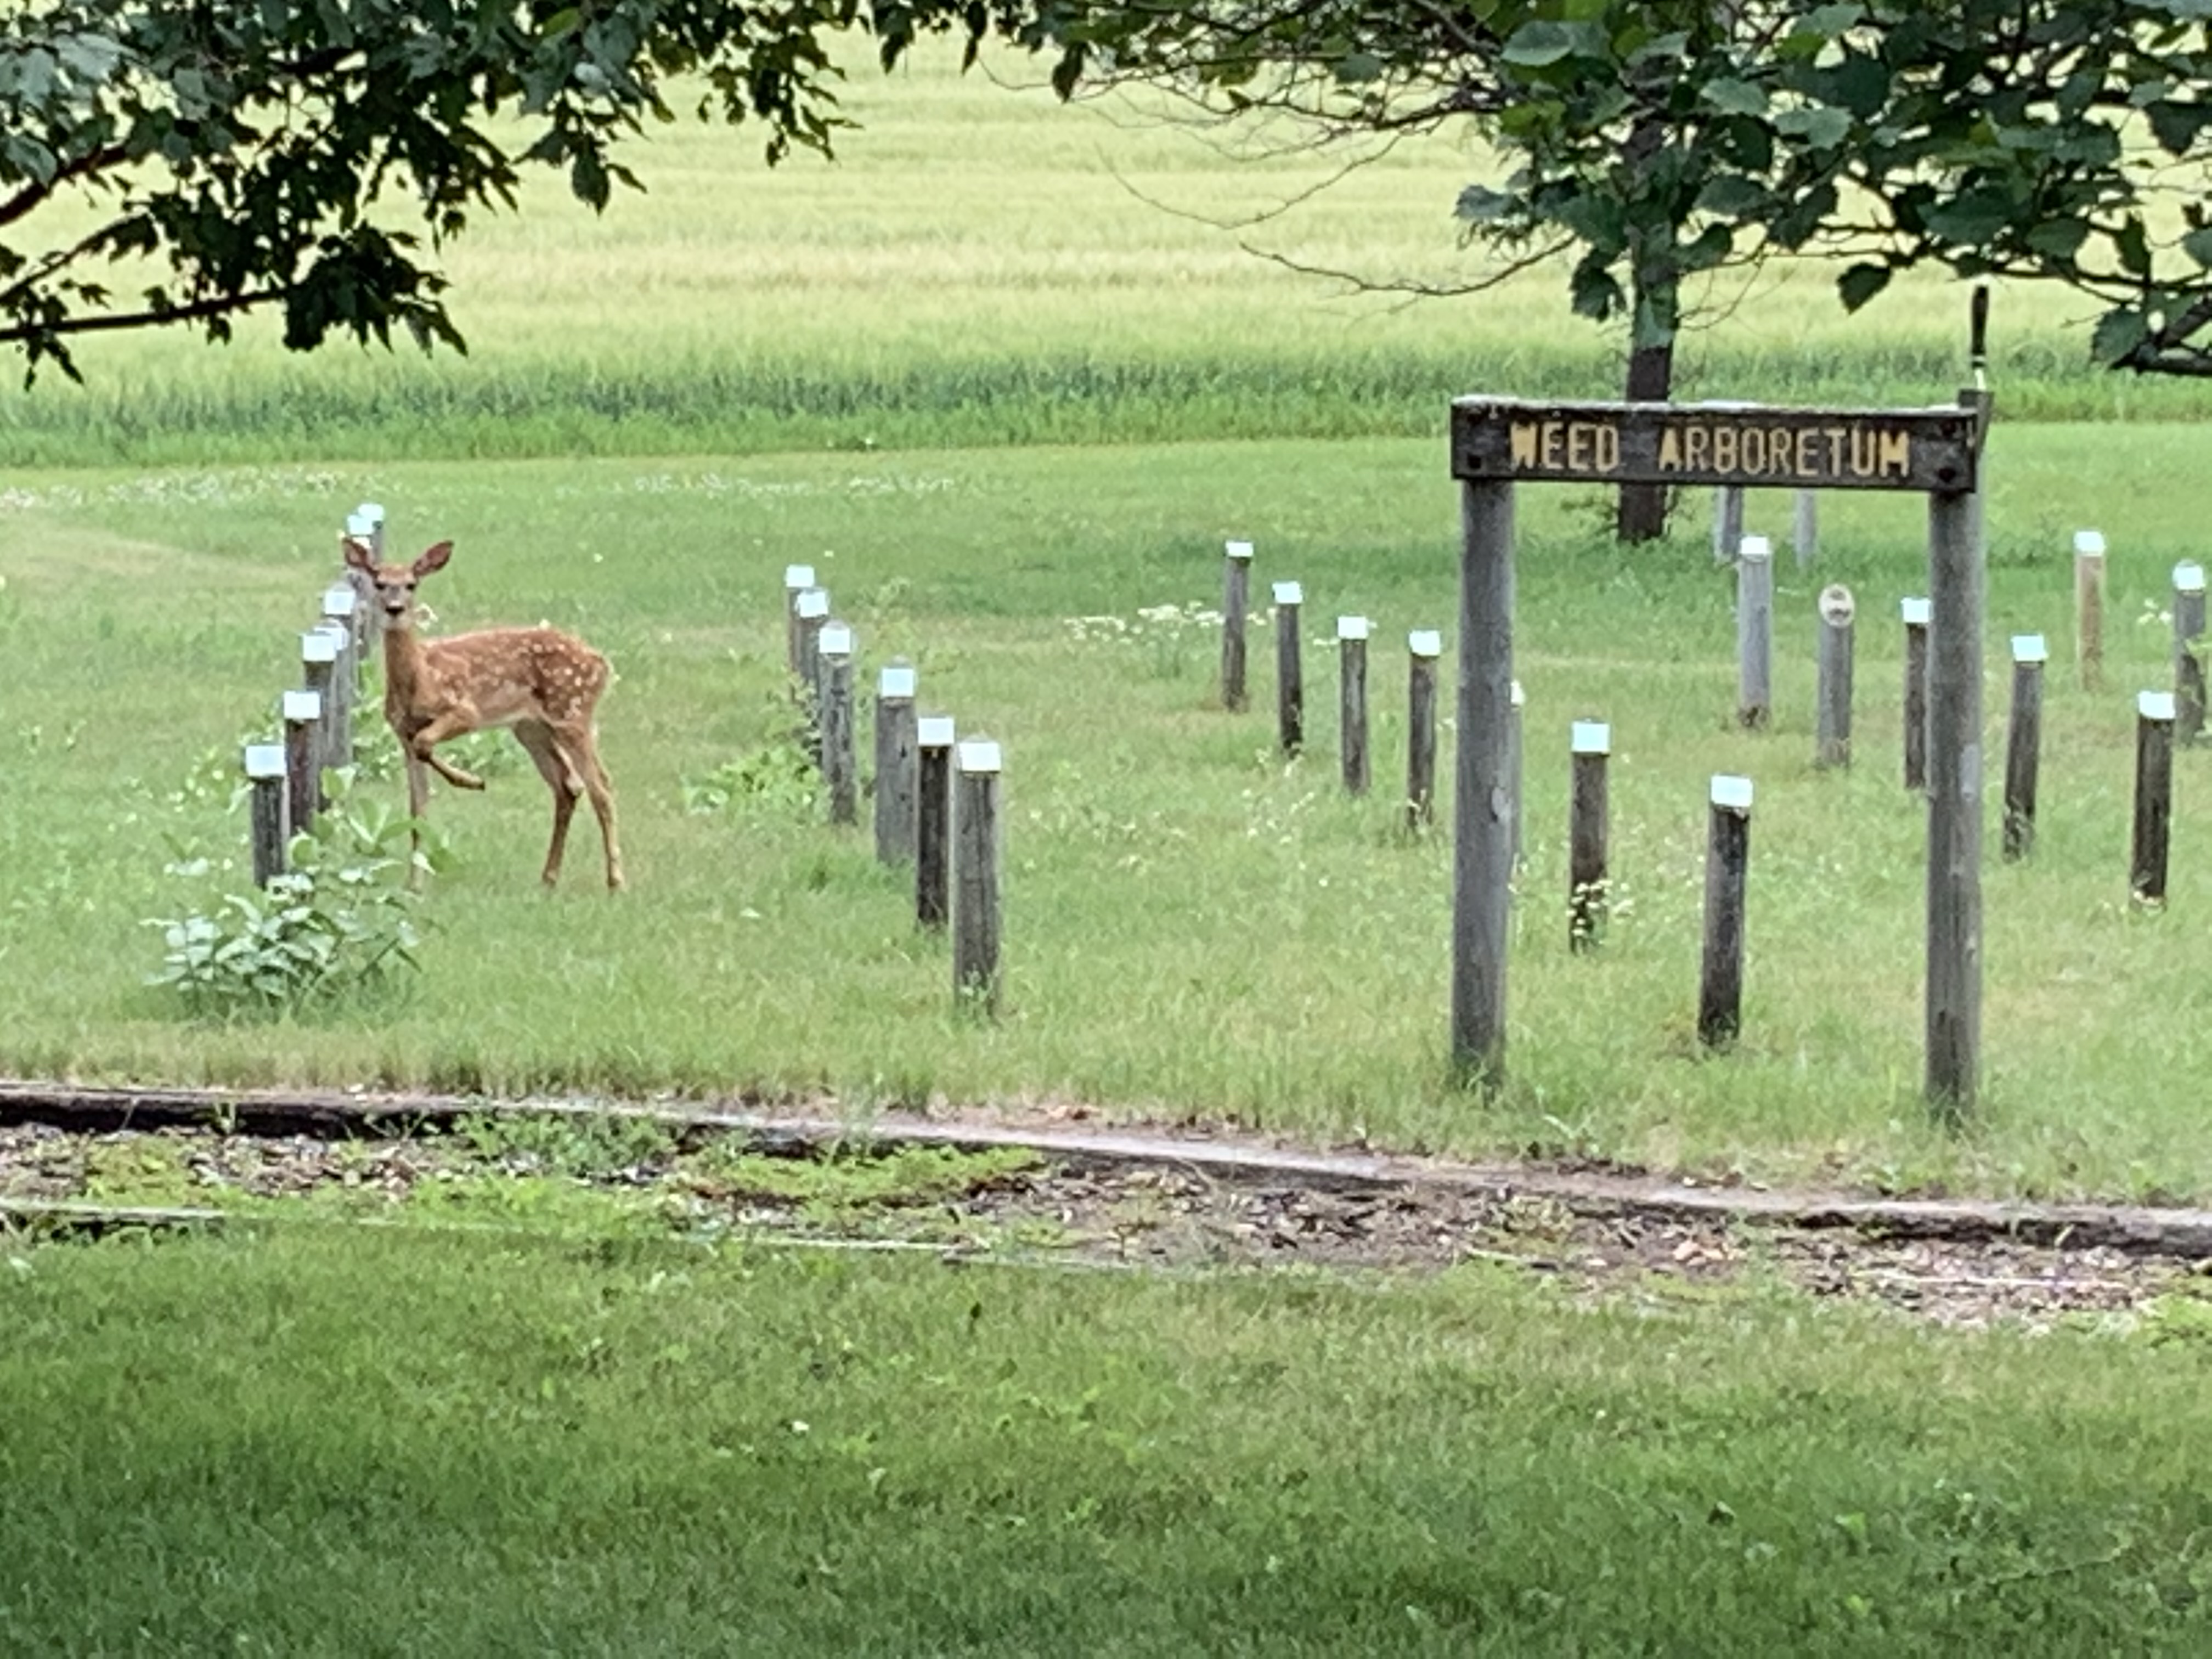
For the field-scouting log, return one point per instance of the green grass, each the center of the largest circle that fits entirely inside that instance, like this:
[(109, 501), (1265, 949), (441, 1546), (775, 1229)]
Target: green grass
[(313, 1443), (985, 266), (1193, 930)]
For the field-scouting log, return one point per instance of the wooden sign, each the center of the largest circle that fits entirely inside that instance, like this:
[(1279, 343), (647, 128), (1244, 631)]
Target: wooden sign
[(1506, 440)]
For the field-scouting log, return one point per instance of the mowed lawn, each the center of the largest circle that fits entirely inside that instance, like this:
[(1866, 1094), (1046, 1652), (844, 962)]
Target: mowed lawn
[(413, 1443), (1194, 928)]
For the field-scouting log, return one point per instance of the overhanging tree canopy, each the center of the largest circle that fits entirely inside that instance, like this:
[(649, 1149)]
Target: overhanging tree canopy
[(313, 154)]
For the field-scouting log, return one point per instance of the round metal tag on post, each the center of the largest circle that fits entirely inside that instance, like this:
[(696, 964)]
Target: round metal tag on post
[(1498, 442)]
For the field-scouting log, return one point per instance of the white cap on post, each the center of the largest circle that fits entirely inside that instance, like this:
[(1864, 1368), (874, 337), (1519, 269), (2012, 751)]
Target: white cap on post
[(1731, 795), (798, 578), (979, 755), (2088, 544), (814, 601), (1592, 738), (896, 681), (2029, 647), (1352, 627), (933, 731), (1918, 612), (2154, 705), (836, 640), (301, 707), (1754, 547), (2189, 577), (339, 599), (265, 760), (1290, 594), (1238, 549), (319, 645)]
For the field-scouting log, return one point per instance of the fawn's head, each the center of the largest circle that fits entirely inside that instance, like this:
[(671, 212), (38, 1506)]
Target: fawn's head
[(395, 583)]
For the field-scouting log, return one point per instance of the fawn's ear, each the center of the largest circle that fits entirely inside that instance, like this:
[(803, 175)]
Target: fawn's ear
[(358, 554), (433, 559)]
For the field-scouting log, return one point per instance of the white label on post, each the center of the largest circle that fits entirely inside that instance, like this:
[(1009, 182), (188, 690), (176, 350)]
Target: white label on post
[(836, 640), (2154, 705), (2090, 543), (317, 646), (1592, 738), (2029, 647), (1519, 695), (1425, 643), (1731, 795), (301, 707), (799, 577), (894, 683), (1290, 594), (814, 601), (979, 755), (1754, 547), (339, 599), (1238, 549), (1352, 627), (934, 731), (1918, 612), (265, 760), (2189, 577)]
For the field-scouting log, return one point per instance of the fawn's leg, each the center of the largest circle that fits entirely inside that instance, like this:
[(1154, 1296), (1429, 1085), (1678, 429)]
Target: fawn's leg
[(580, 745), (561, 778), (418, 804), (456, 722)]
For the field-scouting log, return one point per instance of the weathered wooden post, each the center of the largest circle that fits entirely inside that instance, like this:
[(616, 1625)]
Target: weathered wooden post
[(1754, 632), (1832, 746), (1423, 646), (302, 711), (1485, 801), (895, 765), (1516, 768), (1235, 602), (1351, 701), (975, 908), (265, 773), (371, 514), (360, 527), (797, 579), (2153, 814), (933, 820), (2089, 607), (1955, 802), (1728, 524), (840, 761), (2188, 666), (1591, 743), (1917, 613), (2023, 744), (1290, 669), (344, 610), (813, 610), (1805, 527), (318, 673), (1728, 860)]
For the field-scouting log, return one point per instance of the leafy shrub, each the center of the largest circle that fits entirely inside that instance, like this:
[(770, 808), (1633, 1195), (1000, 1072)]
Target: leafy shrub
[(775, 781), (337, 924)]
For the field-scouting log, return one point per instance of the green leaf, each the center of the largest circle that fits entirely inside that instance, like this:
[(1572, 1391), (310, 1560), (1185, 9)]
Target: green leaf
[(2057, 239), (1479, 204), (1734, 97), (1732, 196), (2198, 244), (1860, 284), (2132, 243), (2118, 332), (1821, 127), (1541, 42)]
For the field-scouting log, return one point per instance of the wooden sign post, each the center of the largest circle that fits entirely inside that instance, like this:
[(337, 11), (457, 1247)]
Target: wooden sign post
[(1497, 442)]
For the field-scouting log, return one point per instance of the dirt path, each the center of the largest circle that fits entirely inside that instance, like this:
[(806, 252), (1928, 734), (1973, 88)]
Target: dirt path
[(1067, 1190)]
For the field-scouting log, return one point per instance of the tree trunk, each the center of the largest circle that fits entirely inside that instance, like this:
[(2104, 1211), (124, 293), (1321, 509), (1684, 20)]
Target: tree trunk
[(1642, 516)]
